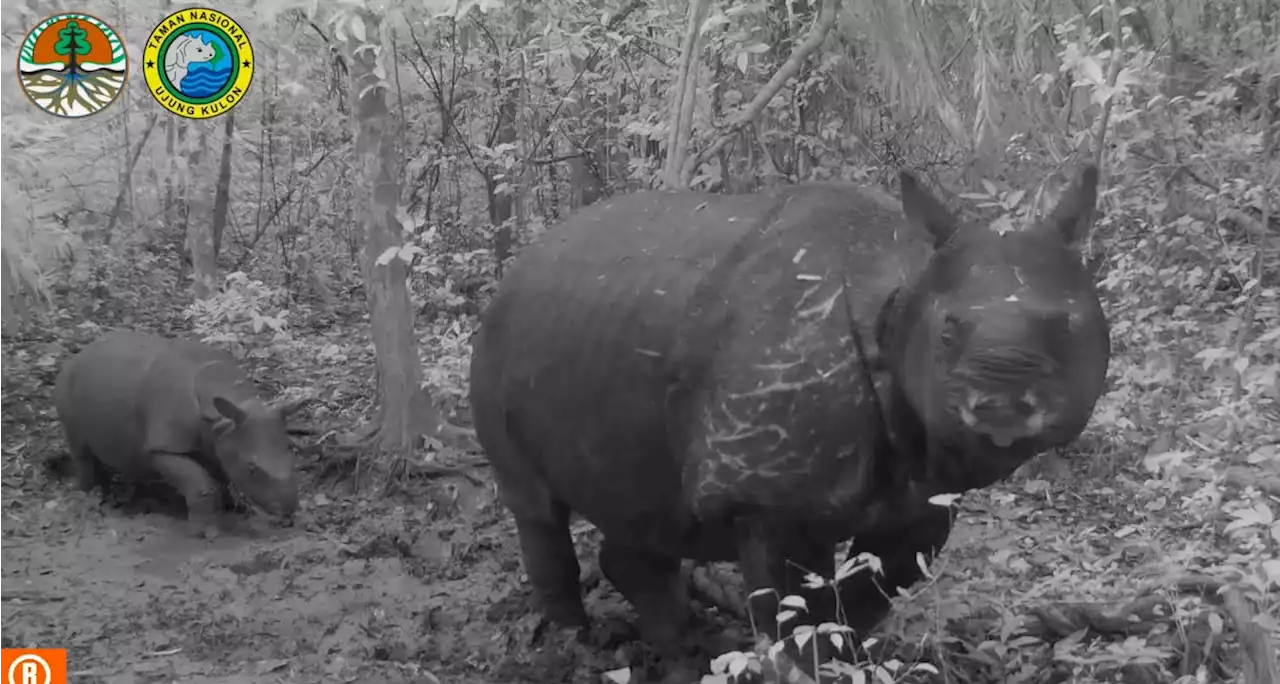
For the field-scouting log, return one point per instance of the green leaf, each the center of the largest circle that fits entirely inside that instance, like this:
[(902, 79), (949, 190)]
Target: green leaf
[(386, 257), (72, 40)]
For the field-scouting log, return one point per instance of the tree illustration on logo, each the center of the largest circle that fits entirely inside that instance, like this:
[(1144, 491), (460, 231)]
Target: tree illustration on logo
[(73, 42), (72, 65)]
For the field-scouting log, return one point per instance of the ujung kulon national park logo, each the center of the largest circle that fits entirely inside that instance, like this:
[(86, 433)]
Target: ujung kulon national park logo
[(72, 65), (198, 63)]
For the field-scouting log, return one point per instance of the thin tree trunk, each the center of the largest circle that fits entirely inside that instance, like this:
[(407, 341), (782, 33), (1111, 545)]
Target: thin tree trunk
[(126, 175), (501, 204), (204, 260), (587, 184), (685, 95), (222, 197), (404, 414), (199, 234), (826, 20)]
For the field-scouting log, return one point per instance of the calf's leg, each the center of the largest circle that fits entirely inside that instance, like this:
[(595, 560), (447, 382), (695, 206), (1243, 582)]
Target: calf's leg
[(203, 493)]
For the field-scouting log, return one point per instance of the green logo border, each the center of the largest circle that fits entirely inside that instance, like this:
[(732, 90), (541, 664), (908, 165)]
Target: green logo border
[(226, 40)]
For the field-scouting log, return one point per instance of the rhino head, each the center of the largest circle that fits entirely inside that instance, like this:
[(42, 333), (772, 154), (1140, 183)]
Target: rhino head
[(252, 446), (1001, 346)]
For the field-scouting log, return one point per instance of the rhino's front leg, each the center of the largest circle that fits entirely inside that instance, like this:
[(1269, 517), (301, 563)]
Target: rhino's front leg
[(866, 595), (198, 487), (778, 557)]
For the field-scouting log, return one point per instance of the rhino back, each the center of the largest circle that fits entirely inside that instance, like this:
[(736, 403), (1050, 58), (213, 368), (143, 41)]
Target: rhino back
[(568, 376), (107, 398), (774, 404), (214, 372)]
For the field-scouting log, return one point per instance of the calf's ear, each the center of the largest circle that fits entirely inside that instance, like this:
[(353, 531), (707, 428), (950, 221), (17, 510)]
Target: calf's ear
[(225, 415)]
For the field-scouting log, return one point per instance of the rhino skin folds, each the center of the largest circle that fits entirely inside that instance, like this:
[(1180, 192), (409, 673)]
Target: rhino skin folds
[(759, 377)]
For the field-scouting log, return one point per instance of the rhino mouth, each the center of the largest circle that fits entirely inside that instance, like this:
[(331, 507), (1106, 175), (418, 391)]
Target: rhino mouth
[(272, 509), (1004, 419)]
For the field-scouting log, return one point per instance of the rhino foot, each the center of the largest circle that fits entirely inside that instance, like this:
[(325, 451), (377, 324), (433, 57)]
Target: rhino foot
[(89, 473), (202, 493), (203, 529), (552, 564)]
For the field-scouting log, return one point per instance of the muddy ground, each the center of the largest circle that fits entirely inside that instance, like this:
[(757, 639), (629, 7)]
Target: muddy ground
[(366, 588), (415, 581)]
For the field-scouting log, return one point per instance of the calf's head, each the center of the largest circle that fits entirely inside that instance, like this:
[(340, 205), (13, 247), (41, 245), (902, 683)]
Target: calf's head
[(1000, 347), (253, 448)]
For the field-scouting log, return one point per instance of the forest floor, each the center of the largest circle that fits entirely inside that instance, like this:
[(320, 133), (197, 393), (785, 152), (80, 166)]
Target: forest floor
[(422, 579), (360, 589)]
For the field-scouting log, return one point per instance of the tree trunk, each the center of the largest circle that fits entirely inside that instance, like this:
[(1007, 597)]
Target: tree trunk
[(170, 205), (126, 180), (199, 233), (685, 96), (182, 206), (502, 203), (589, 176), (822, 26), (204, 263), (222, 198), (391, 317), (199, 244)]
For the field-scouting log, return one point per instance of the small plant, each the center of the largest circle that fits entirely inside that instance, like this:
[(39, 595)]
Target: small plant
[(770, 662), (235, 315)]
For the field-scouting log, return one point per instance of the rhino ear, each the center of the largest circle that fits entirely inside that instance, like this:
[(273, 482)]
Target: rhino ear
[(925, 211), (228, 410), (1073, 215)]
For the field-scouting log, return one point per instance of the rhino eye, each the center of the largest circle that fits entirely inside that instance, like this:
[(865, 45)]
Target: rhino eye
[(1055, 331), (1054, 328), (1058, 323), (954, 330)]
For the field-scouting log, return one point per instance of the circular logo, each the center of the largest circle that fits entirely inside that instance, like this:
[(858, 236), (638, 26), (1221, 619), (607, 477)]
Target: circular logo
[(32, 667), (198, 63), (72, 65)]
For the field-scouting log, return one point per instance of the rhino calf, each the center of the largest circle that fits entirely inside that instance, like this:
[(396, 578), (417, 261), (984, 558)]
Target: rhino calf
[(147, 406)]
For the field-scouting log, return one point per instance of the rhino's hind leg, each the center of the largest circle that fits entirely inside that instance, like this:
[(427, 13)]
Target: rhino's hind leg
[(552, 563), (652, 583), (202, 493), (89, 470)]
